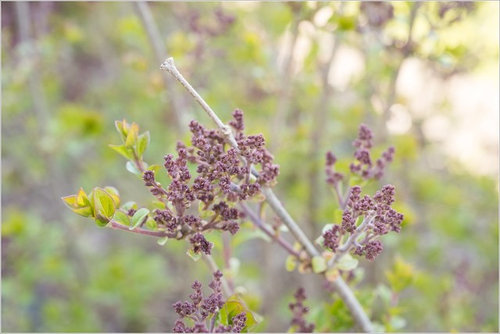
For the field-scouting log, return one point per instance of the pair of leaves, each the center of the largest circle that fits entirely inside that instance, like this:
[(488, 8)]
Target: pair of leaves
[(234, 306), (100, 204), (133, 145)]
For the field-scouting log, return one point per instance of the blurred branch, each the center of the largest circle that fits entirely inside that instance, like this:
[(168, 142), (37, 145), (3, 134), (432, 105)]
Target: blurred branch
[(317, 134), (29, 53), (286, 85), (154, 36), (342, 288), (406, 52), (260, 224)]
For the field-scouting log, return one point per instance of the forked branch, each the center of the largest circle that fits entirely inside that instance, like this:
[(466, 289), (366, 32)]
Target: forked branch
[(341, 287)]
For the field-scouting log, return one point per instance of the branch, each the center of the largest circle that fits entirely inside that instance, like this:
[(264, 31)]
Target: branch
[(148, 21), (169, 66), (260, 224), (342, 288), (213, 266), (160, 234), (285, 78)]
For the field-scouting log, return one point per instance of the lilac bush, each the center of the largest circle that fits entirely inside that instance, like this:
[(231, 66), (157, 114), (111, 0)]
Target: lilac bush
[(211, 181)]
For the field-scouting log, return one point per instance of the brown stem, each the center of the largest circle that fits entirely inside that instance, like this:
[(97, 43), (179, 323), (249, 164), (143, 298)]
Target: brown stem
[(115, 225), (260, 224)]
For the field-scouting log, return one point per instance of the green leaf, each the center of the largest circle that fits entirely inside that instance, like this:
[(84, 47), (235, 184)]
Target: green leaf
[(123, 151), (70, 201), (85, 211), (332, 274), (142, 143), (100, 220), (154, 168), (194, 256), (234, 306), (162, 241), (122, 128), (115, 195), (129, 205), (122, 218), (138, 217), (318, 264), (132, 135), (104, 203), (347, 262), (290, 263), (132, 168), (151, 224), (82, 199)]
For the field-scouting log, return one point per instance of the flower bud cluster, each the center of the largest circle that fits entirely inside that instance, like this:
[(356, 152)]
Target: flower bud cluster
[(298, 323), (221, 179), (363, 165), (376, 217), (201, 310)]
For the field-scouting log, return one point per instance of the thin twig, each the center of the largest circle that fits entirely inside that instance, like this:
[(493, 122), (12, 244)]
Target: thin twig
[(260, 224), (169, 66), (115, 225), (285, 93), (342, 288), (213, 266), (143, 11)]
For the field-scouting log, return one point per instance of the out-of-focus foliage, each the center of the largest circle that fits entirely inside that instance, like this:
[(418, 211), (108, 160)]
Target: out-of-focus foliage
[(70, 69)]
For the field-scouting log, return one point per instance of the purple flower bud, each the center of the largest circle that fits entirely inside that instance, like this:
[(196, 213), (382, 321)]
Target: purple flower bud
[(200, 244), (298, 322), (237, 123), (331, 159), (331, 238), (149, 178), (239, 322)]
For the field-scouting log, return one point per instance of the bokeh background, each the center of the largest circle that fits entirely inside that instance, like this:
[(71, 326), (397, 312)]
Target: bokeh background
[(423, 76)]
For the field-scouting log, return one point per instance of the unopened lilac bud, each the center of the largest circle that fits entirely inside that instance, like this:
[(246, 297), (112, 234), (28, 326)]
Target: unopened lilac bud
[(149, 178), (331, 159)]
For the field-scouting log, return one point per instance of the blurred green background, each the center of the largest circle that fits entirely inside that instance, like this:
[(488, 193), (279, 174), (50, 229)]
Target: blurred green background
[(424, 77)]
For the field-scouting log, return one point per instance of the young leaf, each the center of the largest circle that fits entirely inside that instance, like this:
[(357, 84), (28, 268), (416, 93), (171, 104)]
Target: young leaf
[(122, 128), (82, 199), (162, 241), (123, 151), (142, 143), (85, 211), (290, 263), (332, 274), (132, 168), (318, 264), (235, 306), (138, 217), (154, 168), (151, 224), (347, 262), (132, 135), (122, 218), (104, 203), (115, 195), (70, 201), (79, 204), (129, 205)]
